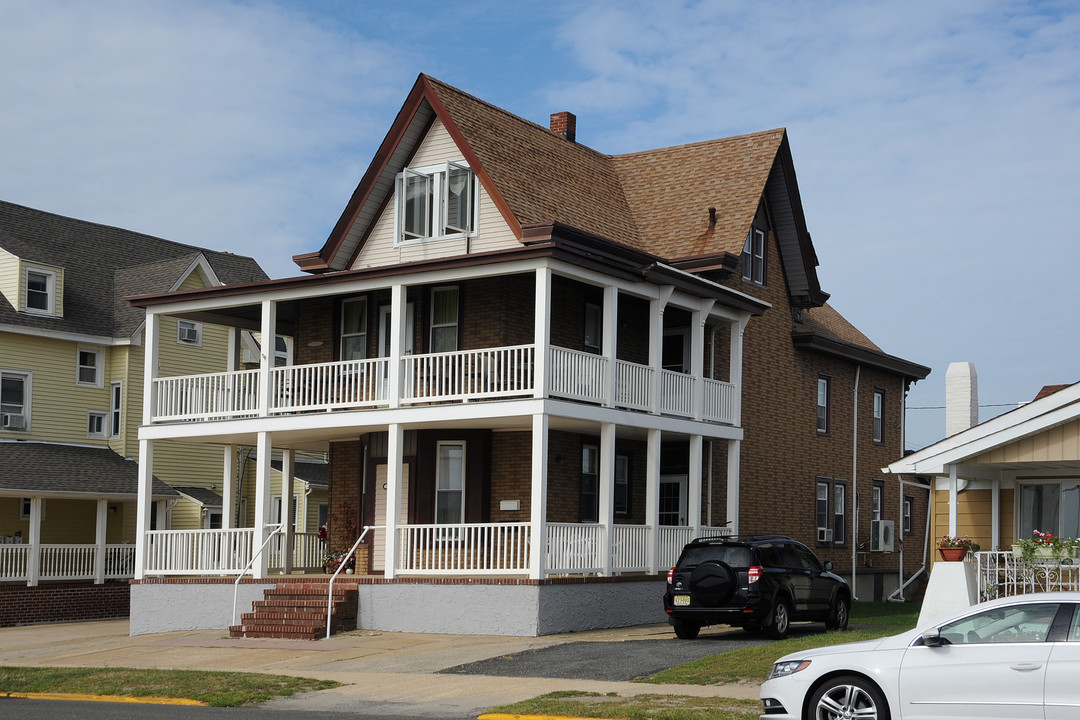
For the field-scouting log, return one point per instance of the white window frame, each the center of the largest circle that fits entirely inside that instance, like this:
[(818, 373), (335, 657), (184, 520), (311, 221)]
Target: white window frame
[(275, 509), (440, 491), (50, 290), (100, 419), (116, 407), (182, 325), (437, 190), (445, 289), (24, 409), (753, 257), (622, 479), (824, 390), (879, 416), (877, 498), (361, 334), (909, 509), (98, 367), (590, 467), (1060, 528), (594, 328), (839, 512), (24, 508)]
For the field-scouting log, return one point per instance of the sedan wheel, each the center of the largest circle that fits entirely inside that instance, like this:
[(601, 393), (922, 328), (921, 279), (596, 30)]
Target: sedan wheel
[(843, 698)]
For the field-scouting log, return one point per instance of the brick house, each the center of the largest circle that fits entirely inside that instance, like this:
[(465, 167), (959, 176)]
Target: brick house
[(532, 364)]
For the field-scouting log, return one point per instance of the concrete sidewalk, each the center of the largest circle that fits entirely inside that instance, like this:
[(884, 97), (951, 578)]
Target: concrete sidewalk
[(385, 673)]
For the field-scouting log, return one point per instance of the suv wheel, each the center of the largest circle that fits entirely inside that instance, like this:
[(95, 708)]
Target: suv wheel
[(780, 620), (838, 614), (687, 631)]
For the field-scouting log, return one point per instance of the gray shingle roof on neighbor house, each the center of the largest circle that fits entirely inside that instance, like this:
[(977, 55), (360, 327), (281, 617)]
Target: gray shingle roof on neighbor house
[(201, 495), (54, 470), (313, 473), (102, 265)]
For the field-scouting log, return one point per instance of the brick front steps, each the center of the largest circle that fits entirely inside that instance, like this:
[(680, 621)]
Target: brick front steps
[(298, 611)]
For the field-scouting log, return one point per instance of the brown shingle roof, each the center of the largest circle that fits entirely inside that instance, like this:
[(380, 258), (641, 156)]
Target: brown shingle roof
[(827, 322)]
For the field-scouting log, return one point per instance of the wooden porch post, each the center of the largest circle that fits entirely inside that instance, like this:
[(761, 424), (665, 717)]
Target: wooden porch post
[(398, 309), (100, 539), (541, 333), (394, 450), (606, 512), (609, 343), (267, 341), (734, 447), (693, 504), (652, 499), (538, 499), (263, 451), (288, 467)]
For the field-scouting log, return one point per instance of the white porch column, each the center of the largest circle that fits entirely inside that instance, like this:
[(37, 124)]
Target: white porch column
[(995, 514), (394, 449), (288, 467), (228, 488), (102, 522), (735, 363), (734, 447), (698, 317), (538, 498), (606, 512), (33, 561), (541, 333), (142, 505), (267, 340), (263, 451), (953, 497), (609, 342), (398, 309), (652, 499), (693, 502)]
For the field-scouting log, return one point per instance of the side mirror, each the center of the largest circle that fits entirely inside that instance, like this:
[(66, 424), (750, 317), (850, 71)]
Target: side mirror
[(931, 638), (828, 566)]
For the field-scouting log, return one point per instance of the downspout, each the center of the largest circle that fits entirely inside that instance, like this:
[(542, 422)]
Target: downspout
[(855, 483), (898, 594)]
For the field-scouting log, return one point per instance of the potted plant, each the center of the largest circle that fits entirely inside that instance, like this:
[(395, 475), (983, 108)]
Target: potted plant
[(954, 549), (1045, 545)]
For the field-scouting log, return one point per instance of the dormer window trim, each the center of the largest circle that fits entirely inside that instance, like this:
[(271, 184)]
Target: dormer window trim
[(435, 202), (754, 257), (46, 293)]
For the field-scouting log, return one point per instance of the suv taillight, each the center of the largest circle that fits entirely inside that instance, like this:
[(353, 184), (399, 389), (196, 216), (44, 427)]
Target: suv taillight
[(752, 575), (670, 573)]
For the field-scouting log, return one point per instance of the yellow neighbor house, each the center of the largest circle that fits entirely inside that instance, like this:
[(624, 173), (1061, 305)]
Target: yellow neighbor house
[(71, 386)]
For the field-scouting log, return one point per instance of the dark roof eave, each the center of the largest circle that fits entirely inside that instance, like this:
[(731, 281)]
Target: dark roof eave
[(868, 356)]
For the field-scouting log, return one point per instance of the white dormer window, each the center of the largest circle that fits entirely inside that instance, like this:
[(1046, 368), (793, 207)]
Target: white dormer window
[(188, 333), (40, 291), (435, 202)]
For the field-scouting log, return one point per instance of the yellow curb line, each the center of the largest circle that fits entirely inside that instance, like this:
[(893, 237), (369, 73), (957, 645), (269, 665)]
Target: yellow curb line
[(103, 698), (510, 716)]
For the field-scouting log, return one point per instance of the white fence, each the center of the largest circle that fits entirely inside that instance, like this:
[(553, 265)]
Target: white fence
[(330, 386), (634, 385), (574, 548), (471, 374), (209, 396), (472, 548), (577, 375), (66, 562), (1001, 574), (198, 552), (308, 553)]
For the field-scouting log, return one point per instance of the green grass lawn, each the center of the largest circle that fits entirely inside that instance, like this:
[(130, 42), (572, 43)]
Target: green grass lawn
[(221, 689)]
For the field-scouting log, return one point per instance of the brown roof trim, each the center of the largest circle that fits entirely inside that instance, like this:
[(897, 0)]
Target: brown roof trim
[(868, 356), (724, 262), (806, 246)]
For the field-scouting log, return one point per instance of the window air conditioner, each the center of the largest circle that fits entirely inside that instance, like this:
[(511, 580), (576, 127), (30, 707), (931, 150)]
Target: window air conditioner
[(13, 421), (189, 334), (824, 535), (881, 536)]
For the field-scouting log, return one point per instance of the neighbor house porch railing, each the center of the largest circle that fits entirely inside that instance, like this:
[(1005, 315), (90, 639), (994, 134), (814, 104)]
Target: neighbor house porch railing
[(308, 552), (1000, 573), (65, 562), (464, 376)]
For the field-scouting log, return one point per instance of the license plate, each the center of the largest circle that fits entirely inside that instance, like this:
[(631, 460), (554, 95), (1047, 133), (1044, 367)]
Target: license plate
[(680, 600)]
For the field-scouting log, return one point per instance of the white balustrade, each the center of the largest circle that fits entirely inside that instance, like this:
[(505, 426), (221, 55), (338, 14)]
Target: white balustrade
[(474, 548), (577, 375), (676, 393), (67, 562), (13, 562), (628, 549), (206, 397), (469, 374), (198, 552), (119, 562), (634, 385), (720, 401), (308, 553), (574, 548), (330, 386), (672, 540)]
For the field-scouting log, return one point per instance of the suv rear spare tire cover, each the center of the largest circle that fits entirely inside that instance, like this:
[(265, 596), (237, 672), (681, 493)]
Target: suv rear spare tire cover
[(712, 583)]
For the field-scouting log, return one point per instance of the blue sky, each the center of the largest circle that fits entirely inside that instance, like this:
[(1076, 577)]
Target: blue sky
[(934, 142)]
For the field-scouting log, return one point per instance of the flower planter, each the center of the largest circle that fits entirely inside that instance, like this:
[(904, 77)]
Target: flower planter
[(1043, 553), (953, 554)]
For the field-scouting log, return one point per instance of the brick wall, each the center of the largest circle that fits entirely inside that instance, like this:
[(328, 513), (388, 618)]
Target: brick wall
[(66, 602)]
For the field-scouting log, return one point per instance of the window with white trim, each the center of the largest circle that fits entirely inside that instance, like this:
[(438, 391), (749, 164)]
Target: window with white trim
[(444, 319), (1050, 507), (589, 502), (909, 505), (95, 424), (40, 291), (435, 202), (753, 257), (877, 496), (354, 329), (24, 509), (831, 510), (188, 333), (14, 401), (621, 495), (594, 323), (450, 483), (879, 415), (115, 408), (823, 383), (91, 366)]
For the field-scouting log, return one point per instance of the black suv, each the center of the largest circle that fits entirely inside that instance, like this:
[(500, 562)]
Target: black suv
[(758, 582)]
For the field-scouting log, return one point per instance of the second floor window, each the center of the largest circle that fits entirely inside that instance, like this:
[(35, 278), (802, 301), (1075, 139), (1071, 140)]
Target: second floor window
[(823, 405), (436, 202), (95, 424), (354, 329), (115, 408), (40, 292), (879, 416), (594, 321), (14, 401), (753, 257), (444, 319), (90, 369)]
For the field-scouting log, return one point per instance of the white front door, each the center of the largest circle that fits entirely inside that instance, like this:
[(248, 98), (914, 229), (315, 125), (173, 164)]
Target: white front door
[(673, 498)]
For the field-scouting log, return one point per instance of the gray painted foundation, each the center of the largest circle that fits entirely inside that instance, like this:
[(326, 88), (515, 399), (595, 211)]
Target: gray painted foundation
[(189, 606)]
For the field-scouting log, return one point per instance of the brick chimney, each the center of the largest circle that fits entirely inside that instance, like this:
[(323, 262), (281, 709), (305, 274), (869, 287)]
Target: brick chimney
[(564, 124)]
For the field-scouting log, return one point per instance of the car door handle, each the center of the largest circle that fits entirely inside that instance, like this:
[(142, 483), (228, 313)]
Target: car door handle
[(1026, 667)]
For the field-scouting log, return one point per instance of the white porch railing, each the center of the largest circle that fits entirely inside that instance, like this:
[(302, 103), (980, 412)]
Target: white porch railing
[(473, 548), (629, 548), (676, 393), (209, 396), (307, 555), (672, 540), (720, 401), (470, 374), (577, 375), (198, 552), (66, 562), (634, 385), (1000, 574), (330, 386), (574, 548)]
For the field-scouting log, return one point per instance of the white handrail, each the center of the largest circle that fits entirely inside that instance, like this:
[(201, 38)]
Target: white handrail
[(341, 565), (236, 583)]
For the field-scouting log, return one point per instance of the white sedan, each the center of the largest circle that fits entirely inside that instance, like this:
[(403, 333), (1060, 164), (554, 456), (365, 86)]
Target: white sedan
[(1013, 658)]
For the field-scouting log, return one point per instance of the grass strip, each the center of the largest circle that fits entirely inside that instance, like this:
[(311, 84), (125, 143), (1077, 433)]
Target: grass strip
[(220, 689), (638, 707)]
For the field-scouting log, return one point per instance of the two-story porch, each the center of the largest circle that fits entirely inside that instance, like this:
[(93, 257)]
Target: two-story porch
[(521, 416)]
